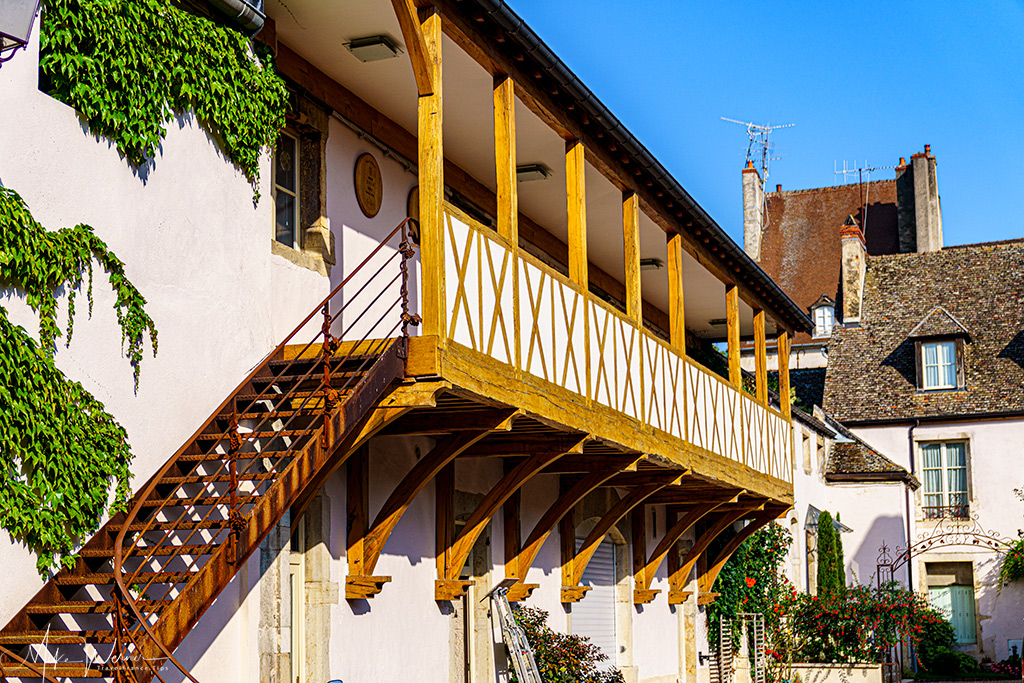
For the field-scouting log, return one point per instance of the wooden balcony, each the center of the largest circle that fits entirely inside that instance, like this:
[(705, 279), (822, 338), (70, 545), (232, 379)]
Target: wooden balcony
[(521, 333)]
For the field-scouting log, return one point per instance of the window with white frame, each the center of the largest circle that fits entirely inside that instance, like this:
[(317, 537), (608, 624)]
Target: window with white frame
[(286, 190), (944, 474), (938, 365), (824, 321)]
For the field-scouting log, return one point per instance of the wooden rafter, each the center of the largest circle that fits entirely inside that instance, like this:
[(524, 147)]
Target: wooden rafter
[(551, 517), (364, 549), (448, 584), (724, 521), (644, 574), (521, 445), (575, 563), (707, 580), (429, 423), (571, 464)]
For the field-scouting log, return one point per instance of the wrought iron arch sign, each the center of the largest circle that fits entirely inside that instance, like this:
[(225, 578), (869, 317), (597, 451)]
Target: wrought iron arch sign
[(966, 532)]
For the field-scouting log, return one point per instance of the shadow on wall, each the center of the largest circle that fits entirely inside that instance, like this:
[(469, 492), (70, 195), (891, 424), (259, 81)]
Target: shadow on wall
[(888, 530)]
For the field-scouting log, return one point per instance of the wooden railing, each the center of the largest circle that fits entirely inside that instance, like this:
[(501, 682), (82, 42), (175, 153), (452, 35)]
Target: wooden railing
[(512, 307)]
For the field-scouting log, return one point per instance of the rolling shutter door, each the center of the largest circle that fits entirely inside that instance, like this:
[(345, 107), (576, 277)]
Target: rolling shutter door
[(594, 615)]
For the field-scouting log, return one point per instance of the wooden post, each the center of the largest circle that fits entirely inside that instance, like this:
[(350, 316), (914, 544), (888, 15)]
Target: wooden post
[(782, 348), (507, 189), (638, 522), (511, 525), (505, 158), (760, 358), (576, 205), (444, 496), (732, 316), (676, 309), (357, 492), (631, 256), (431, 179)]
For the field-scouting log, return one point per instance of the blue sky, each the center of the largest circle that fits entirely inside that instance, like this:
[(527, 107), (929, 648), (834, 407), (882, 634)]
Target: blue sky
[(869, 82)]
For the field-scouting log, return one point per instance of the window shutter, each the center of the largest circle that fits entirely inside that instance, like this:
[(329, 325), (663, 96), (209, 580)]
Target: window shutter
[(961, 363), (919, 362)]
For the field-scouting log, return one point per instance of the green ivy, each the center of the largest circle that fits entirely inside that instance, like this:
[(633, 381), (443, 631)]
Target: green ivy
[(60, 451), (128, 66)]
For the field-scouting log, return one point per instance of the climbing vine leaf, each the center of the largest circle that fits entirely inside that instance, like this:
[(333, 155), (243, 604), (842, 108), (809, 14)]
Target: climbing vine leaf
[(128, 66), (61, 452)]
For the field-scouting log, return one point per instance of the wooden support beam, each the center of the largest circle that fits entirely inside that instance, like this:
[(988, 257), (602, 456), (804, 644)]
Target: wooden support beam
[(651, 564), (494, 499), (444, 536), (357, 494), (571, 464), (760, 358), (567, 547), (631, 256), (726, 520), (420, 54), (676, 307), (551, 517), (782, 348), (641, 584), (426, 469), (707, 580), (505, 158), (521, 445), (732, 317), (431, 184), (432, 423), (512, 526), (630, 479), (576, 206), (581, 558)]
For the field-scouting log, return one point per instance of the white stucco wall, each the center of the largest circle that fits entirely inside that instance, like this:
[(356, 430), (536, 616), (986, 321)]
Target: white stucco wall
[(993, 453)]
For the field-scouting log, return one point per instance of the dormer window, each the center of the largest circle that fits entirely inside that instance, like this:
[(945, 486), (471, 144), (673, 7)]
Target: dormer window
[(939, 351), (938, 359), (824, 314)]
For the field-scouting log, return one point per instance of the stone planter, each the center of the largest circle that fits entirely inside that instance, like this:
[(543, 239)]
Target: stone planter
[(837, 673)]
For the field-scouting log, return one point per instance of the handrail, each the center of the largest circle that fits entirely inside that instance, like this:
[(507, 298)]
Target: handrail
[(319, 403)]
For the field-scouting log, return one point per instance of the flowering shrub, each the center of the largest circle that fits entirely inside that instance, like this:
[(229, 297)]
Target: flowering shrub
[(1011, 666), (560, 657), (858, 625)]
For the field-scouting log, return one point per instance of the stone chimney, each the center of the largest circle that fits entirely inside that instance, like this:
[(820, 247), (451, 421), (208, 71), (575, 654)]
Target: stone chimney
[(753, 211), (919, 214), (855, 254)]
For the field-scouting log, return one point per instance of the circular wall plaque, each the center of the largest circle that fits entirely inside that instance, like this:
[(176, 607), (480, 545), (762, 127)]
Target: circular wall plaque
[(412, 210), (369, 187)]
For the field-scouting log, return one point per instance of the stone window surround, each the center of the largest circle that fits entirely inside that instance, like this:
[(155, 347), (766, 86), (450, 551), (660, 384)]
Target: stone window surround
[(309, 123)]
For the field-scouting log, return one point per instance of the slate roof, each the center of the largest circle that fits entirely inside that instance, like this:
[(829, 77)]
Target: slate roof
[(800, 246), (853, 457), (872, 374)]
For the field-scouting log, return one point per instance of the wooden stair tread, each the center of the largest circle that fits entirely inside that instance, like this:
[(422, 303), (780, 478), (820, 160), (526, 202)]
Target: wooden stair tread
[(92, 607), (55, 637), (108, 578), (187, 549), (221, 436), (214, 478), (178, 525)]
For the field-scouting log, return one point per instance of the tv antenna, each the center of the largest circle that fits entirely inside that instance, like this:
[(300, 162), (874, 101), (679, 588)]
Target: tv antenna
[(860, 172), (758, 136)]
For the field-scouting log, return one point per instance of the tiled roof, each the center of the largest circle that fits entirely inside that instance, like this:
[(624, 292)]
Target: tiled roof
[(800, 246), (856, 457), (872, 372), (938, 322)]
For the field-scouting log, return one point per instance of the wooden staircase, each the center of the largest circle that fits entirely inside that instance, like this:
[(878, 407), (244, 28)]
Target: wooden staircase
[(146, 578)]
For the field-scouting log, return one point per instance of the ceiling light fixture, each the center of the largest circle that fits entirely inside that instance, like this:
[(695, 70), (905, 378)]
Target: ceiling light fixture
[(374, 48), (651, 264), (528, 172)]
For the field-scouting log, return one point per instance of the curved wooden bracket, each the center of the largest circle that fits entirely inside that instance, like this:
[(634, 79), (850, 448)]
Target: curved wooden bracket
[(523, 559), (726, 520), (459, 550), (421, 53), (707, 580), (573, 572), (645, 574)]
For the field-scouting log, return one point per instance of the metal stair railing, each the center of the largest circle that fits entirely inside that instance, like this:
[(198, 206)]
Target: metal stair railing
[(306, 411)]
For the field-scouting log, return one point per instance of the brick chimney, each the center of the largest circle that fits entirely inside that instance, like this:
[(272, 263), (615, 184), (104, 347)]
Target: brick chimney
[(919, 214), (855, 254), (753, 211)]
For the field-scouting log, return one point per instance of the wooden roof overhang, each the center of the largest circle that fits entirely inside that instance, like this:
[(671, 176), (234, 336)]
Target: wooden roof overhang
[(501, 42), (467, 421)]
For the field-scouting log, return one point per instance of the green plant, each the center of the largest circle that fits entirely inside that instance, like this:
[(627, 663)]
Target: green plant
[(128, 66), (1011, 568), (831, 579), (936, 638), (560, 657), (749, 581), (60, 451)]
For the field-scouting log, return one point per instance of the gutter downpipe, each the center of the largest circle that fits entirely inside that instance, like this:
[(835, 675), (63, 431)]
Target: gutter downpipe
[(906, 490)]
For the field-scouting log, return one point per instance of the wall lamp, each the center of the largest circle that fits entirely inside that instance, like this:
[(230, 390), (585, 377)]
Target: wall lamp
[(16, 19)]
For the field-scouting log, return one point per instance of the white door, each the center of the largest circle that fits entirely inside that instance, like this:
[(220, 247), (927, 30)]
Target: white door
[(594, 615)]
